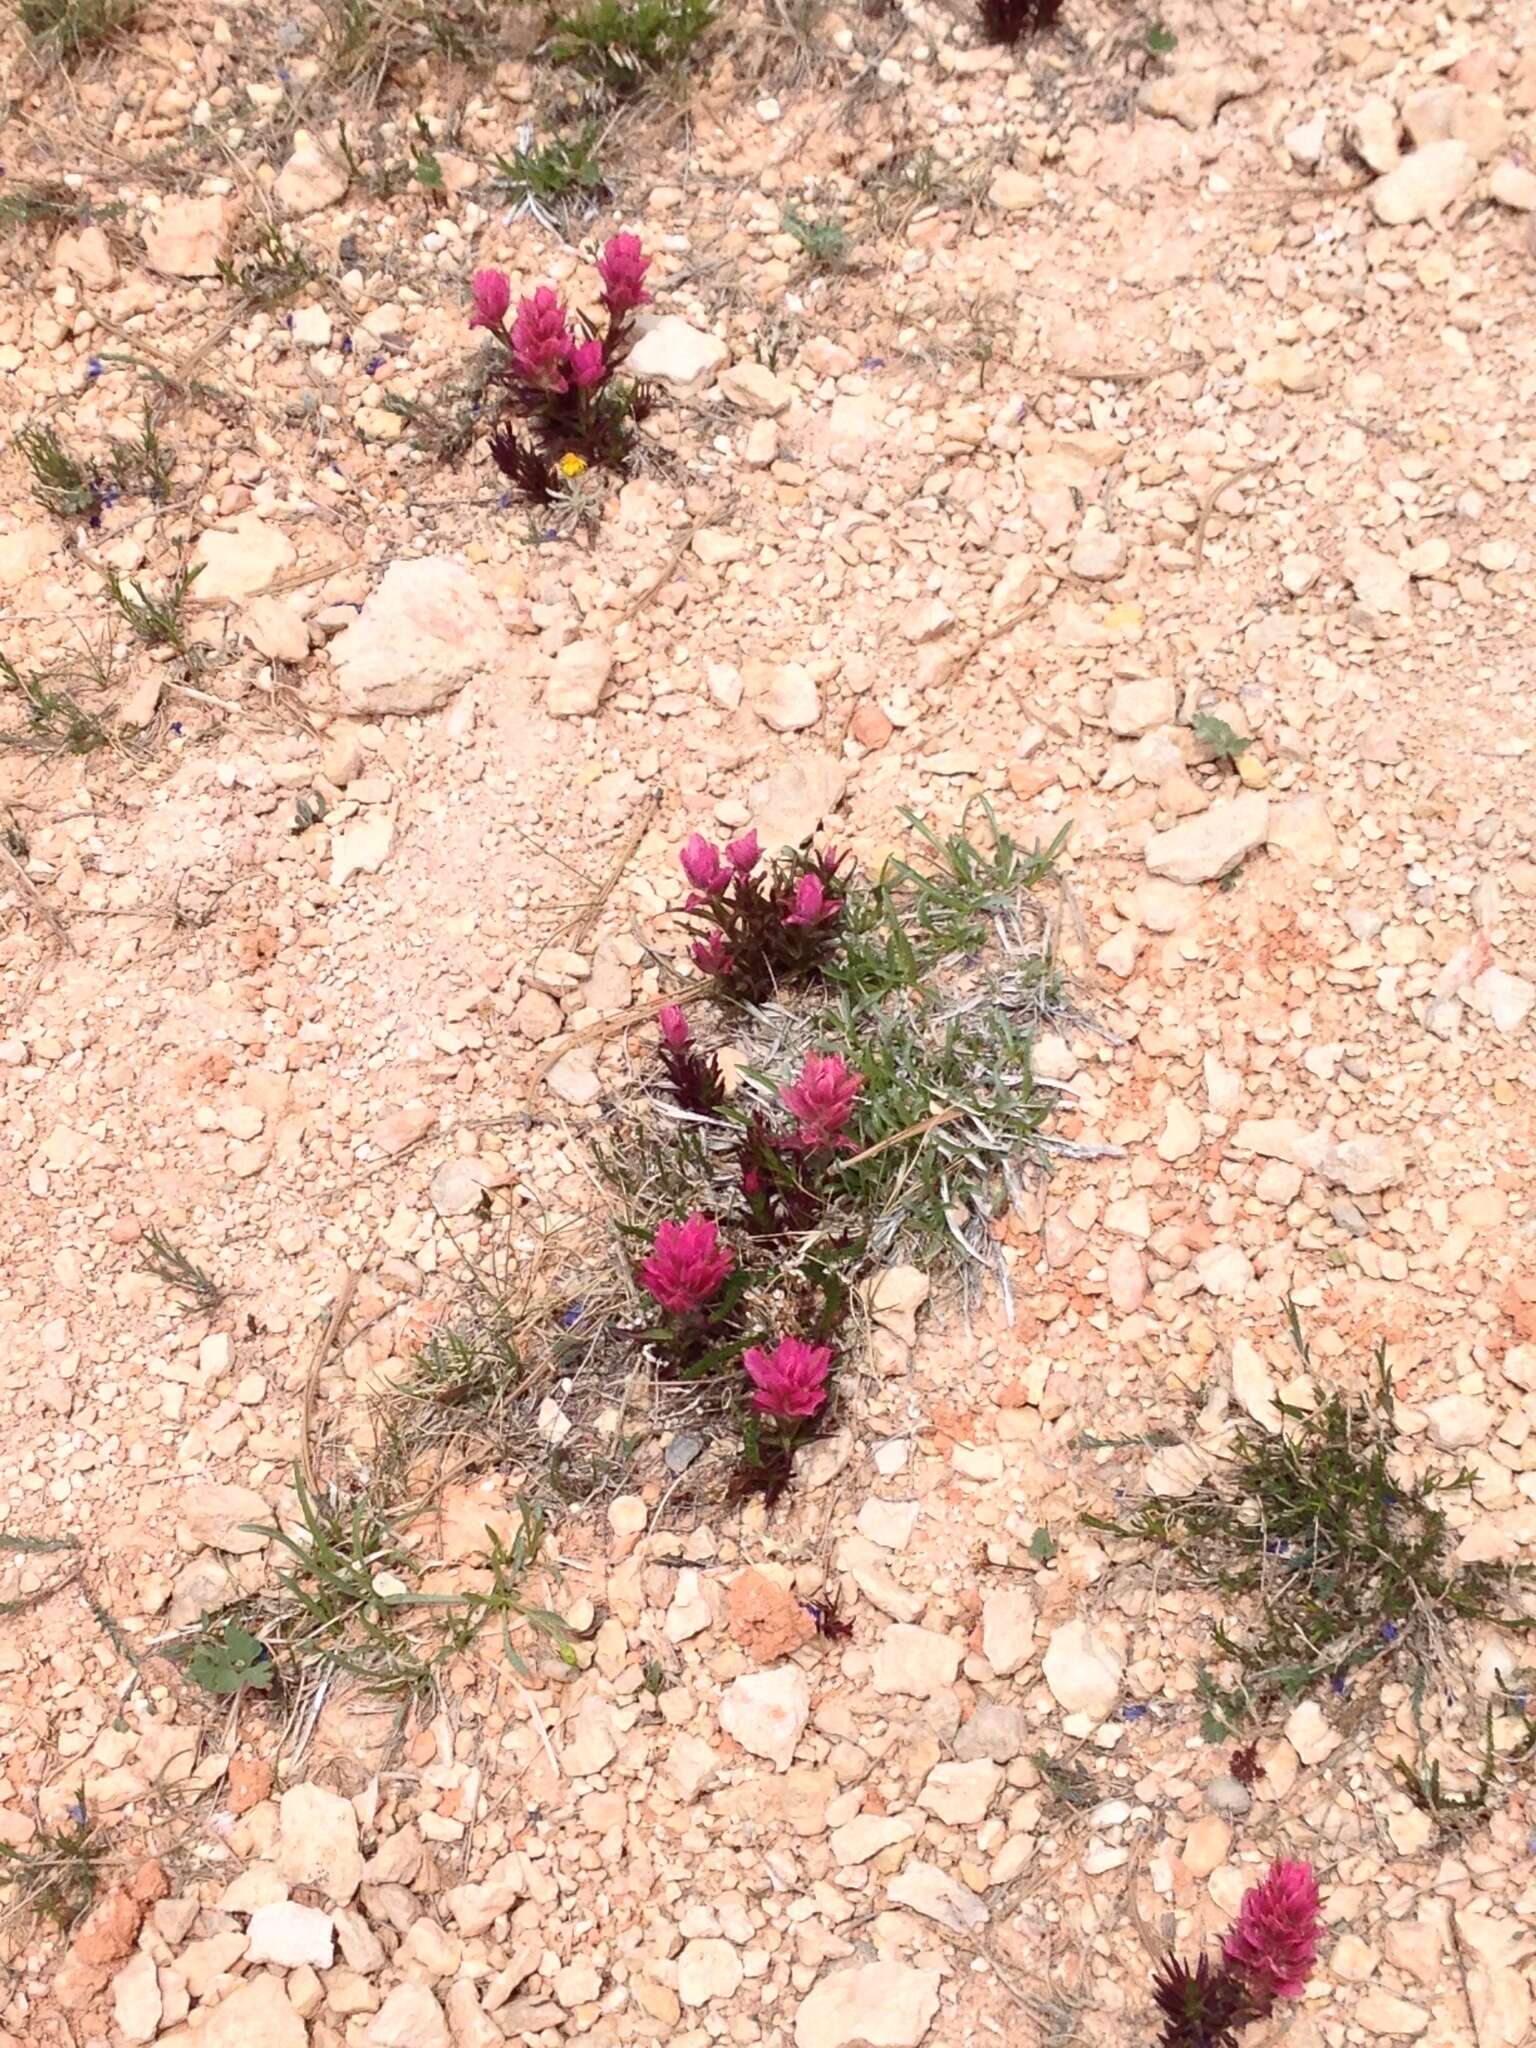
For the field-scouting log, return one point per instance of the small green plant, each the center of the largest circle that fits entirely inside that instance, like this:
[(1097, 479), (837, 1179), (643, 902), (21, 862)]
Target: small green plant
[(51, 205), (825, 242), (145, 463), (618, 44), (1215, 733), (168, 1262), (349, 1598), (655, 1678), (229, 1660), (67, 29), (270, 272), (56, 1875), (563, 170), (56, 720), (61, 482), (1158, 40), (159, 621), (1338, 1563)]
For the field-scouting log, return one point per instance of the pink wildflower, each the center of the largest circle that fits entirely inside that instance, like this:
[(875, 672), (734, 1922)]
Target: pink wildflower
[(701, 864), (813, 905), (821, 1100), (492, 291), (541, 341), (674, 1028), (686, 1265), (744, 853), (587, 365), (712, 955), (622, 267), (1273, 1942), (791, 1380)]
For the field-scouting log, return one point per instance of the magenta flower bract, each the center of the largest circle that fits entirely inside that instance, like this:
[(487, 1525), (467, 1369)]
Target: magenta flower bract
[(791, 1379), (812, 903), (821, 1101), (702, 865), (541, 341), (744, 853), (587, 365), (622, 267), (712, 955), (686, 1265), (1272, 1943), (674, 1028), (492, 291)]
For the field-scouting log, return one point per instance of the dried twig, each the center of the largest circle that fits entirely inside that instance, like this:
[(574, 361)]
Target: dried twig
[(332, 1331), (31, 889), (1222, 483)]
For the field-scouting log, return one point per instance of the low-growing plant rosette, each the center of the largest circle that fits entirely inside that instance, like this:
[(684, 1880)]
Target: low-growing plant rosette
[(1269, 1953), (560, 374), (764, 926)]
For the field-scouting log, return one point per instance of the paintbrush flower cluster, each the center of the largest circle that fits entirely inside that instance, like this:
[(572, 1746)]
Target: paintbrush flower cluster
[(567, 409)]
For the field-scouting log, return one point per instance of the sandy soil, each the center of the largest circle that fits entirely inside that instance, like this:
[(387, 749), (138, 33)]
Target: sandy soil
[(1139, 396)]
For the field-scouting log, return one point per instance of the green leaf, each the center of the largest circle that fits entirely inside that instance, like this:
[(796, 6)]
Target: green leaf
[(1043, 1546), (1159, 39), (1216, 734), (234, 1663), (1213, 1728)]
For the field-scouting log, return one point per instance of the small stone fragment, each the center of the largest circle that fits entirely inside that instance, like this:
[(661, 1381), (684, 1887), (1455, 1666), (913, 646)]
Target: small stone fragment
[(578, 679), (317, 1842), (915, 1661), (313, 177), (1423, 184), (1008, 1629), (1083, 1668), (708, 1969), (783, 694), (754, 388), (291, 1936), (189, 237), (766, 1711), (672, 352), (1205, 848), (420, 637)]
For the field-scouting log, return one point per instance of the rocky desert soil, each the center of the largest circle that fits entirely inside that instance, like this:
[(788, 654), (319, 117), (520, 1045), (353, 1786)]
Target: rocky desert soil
[(1168, 374)]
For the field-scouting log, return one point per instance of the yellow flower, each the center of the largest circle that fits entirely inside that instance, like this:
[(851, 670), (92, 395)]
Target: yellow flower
[(571, 465)]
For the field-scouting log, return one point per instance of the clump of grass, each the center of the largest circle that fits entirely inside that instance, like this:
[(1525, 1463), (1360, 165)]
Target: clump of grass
[(618, 44), (168, 1262), (57, 1874), (47, 204), (67, 29), (1340, 1564), (1011, 21), (825, 242), (144, 462), (61, 482), (56, 721), (349, 1600), (158, 619), (561, 173), (270, 272)]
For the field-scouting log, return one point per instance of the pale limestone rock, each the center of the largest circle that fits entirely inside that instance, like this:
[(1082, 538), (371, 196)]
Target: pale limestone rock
[(578, 679), (871, 2005), (1084, 1667), (1205, 848), (190, 237), (1008, 1618), (766, 1712), (916, 1661), (1423, 184), (671, 352), (754, 388), (317, 1842), (707, 1969), (313, 177), (217, 1516), (425, 632), (239, 562)]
